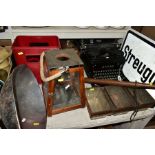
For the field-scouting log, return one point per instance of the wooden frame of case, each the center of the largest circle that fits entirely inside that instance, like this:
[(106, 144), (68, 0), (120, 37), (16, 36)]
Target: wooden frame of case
[(51, 87)]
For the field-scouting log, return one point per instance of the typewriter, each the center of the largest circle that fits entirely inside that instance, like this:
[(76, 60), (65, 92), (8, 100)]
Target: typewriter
[(102, 60)]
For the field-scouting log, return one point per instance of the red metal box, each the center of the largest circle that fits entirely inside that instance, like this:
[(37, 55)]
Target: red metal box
[(27, 50)]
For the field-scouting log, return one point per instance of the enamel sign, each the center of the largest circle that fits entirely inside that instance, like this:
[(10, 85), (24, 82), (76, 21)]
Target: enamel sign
[(139, 53)]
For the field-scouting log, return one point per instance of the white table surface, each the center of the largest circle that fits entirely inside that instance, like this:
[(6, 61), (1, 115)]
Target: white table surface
[(79, 118)]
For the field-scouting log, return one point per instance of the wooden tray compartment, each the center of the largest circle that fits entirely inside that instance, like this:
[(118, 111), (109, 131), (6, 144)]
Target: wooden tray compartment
[(112, 99)]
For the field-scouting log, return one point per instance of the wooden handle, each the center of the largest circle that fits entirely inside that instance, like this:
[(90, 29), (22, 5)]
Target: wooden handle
[(119, 83)]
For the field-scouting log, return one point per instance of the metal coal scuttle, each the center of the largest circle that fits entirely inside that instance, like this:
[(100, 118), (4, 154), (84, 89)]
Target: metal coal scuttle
[(21, 101)]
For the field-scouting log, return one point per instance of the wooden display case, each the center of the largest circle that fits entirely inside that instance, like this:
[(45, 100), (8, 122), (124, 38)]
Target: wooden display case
[(67, 91)]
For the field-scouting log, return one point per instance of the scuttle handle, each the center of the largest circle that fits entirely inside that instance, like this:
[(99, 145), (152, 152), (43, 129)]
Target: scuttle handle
[(50, 78)]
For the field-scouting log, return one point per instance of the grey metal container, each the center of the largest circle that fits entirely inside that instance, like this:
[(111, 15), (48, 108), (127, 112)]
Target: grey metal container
[(21, 101)]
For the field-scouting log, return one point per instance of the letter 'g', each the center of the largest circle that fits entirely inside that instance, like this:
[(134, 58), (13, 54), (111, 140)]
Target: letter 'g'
[(146, 74)]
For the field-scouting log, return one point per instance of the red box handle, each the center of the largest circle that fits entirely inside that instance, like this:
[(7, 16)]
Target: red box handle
[(38, 44), (33, 58)]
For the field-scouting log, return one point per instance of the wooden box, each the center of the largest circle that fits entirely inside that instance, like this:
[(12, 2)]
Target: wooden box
[(67, 91), (110, 100)]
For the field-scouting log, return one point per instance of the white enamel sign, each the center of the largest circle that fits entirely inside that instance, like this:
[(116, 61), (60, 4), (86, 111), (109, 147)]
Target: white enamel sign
[(139, 53)]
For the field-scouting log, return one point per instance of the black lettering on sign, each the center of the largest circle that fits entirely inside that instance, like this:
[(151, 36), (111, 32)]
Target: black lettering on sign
[(146, 74), (129, 53), (136, 63), (141, 68), (132, 56), (126, 50), (151, 78)]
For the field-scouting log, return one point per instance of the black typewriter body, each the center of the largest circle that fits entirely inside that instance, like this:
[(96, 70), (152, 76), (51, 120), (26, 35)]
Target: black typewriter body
[(102, 60)]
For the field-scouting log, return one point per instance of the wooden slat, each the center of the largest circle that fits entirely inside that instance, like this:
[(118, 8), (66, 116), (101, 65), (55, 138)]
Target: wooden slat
[(5, 42)]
